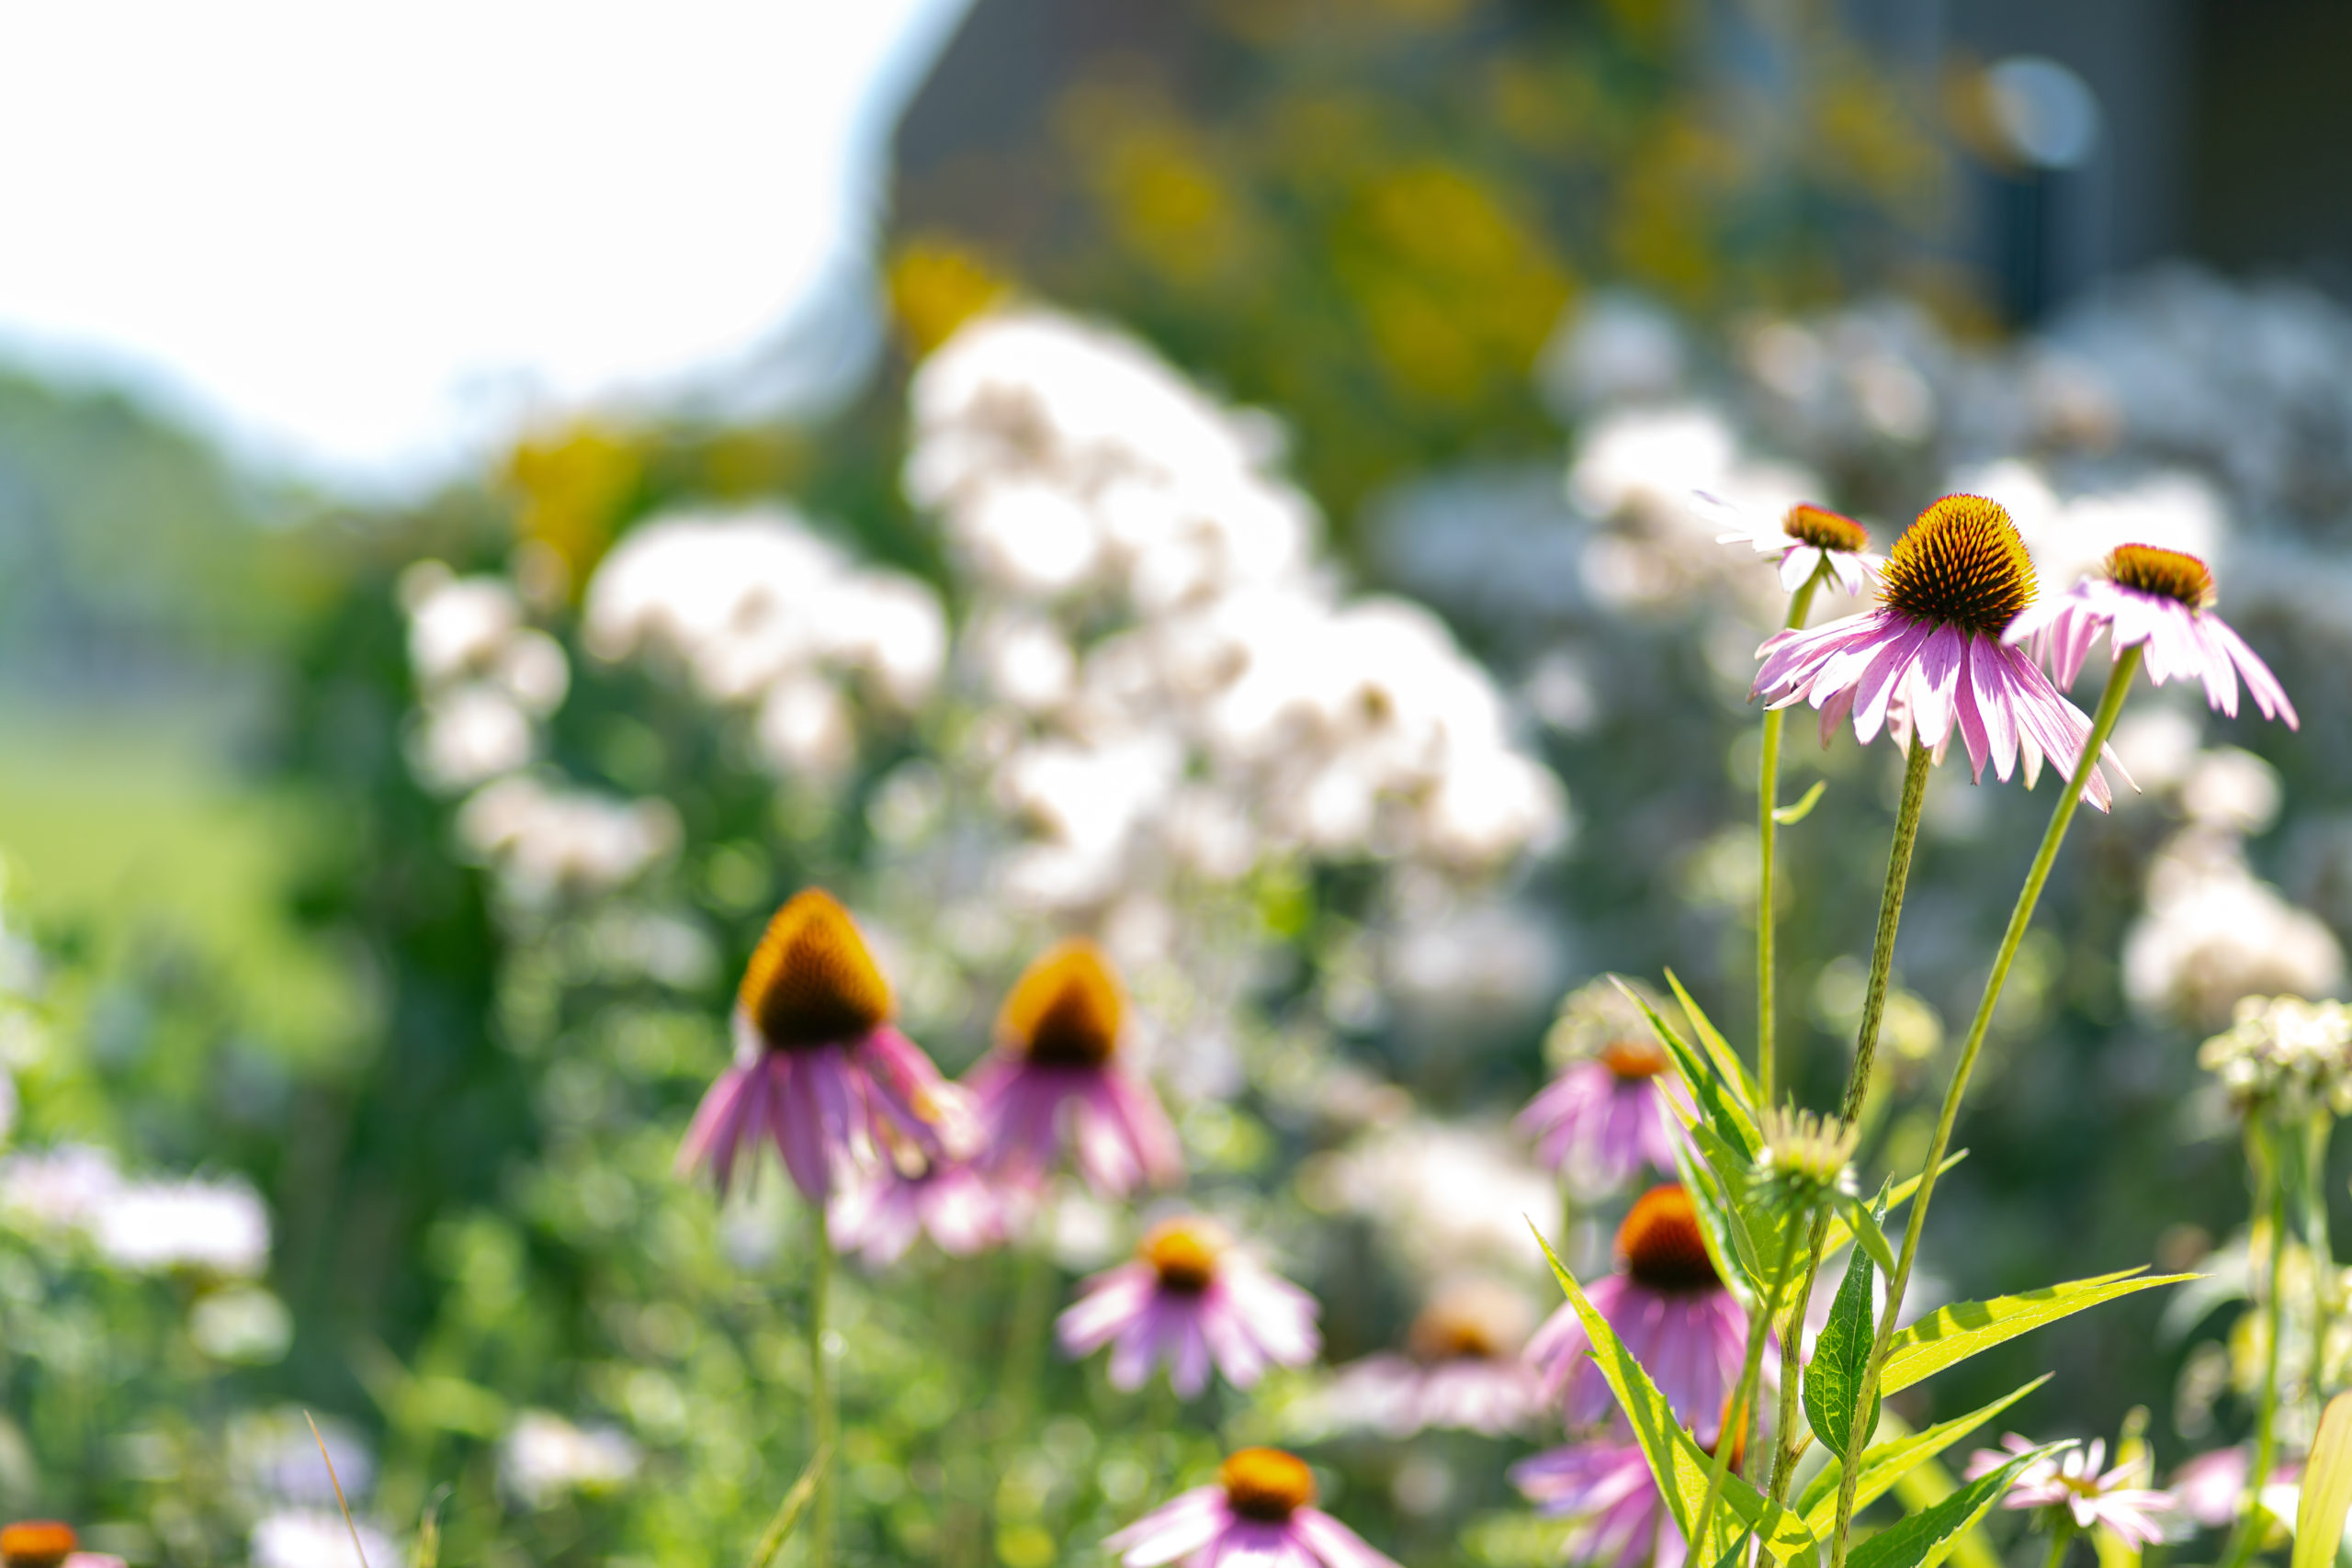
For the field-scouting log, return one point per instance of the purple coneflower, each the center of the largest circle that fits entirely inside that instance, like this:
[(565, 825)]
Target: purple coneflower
[(1801, 541), (1260, 1513), (2073, 1481), (1189, 1297), (1929, 659), (46, 1543), (1605, 1481), (2161, 600), (2210, 1487), (1669, 1307), (909, 1194), (1606, 1117), (819, 1071), (1052, 1074), (1461, 1368)]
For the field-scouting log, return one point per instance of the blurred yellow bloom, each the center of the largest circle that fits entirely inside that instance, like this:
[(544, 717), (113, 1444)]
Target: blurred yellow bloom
[(570, 485), (935, 287)]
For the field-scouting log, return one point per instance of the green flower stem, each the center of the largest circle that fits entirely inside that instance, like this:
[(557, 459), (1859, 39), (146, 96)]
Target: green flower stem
[(1767, 801), (2062, 1536), (1742, 1412), (2110, 706), (2252, 1514), (1858, 1084), (823, 1419), (2315, 1243)]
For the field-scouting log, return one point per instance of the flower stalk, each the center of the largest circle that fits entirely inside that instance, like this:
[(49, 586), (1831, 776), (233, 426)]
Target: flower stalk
[(823, 1417), (2273, 1183), (1733, 1432), (1768, 803), (2119, 684)]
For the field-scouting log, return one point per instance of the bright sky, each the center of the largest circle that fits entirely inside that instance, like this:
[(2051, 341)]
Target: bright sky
[(365, 239)]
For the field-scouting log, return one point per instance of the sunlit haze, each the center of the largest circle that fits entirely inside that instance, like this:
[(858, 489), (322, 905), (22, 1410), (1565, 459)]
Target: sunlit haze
[(362, 241)]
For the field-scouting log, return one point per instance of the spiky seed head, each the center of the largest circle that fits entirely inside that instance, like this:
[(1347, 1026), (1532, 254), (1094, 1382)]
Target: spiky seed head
[(1663, 1246), (1066, 1010), (1266, 1484), (1825, 529), (2168, 574), (811, 981), (1804, 1158), (1962, 564), (1183, 1252)]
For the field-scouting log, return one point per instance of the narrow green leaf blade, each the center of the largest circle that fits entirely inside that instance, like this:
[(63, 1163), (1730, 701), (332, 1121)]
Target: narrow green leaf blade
[(1925, 1539), (1886, 1464), (2327, 1488), (1871, 1239), (1833, 1378), (1729, 1247), (1802, 807), (1957, 1332), (1716, 1097), (1676, 1460), (1727, 1060), (787, 1514)]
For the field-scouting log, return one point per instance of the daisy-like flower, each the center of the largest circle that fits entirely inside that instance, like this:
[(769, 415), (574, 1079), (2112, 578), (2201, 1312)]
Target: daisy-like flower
[(1461, 1367), (45, 1543), (1670, 1308), (1929, 661), (2161, 600), (1261, 1512), (1801, 541), (2073, 1481), (1190, 1297), (1054, 1078), (911, 1194), (2210, 1487), (1610, 1111), (1604, 1481), (819, 1071)]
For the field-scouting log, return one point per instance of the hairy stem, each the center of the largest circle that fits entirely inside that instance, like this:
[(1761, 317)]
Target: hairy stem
[(2110, 706), (1767, 801), (1858, 1084)]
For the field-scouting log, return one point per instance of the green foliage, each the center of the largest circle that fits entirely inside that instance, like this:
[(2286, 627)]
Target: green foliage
[(1953, 1333), (1924, 1538), (2326, 1492), (1887, 1465), (1833, 1378)]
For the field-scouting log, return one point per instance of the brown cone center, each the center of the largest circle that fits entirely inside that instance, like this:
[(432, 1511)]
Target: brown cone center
[(1266, 1484), (1827, 530), (811, 981), (1662, 1245), (1634, 1058), (1962, 564), (1184, 1254), (36, 1543), (1066, 1010), (2169, 574)]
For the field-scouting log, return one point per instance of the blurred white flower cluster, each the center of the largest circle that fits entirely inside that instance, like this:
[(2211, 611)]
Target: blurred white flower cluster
[(1176, 689), (2285, 1053), (763, 614), (218, 1228), (486, 680), (545, 1458), (2213, 932)]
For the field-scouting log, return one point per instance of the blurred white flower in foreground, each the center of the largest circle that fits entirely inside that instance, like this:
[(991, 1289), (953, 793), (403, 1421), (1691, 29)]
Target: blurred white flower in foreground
[(1450, 1197), (483, 676), (545, 1455), (307, 1538), (551, 841)]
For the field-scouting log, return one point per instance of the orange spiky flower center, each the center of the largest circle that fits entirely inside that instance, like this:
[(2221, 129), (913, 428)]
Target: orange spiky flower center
[(1266, 1484), (1183, 1252), (1825, 529), (1662, 1245), (2168, 574), (1633, 1059), (1962, 564), (1066, 1010), (36, 1543), (811, 981), (1446, 1331)]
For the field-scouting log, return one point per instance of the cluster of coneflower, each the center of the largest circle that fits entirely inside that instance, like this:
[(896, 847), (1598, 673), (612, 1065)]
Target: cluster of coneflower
[(1658, 1369)]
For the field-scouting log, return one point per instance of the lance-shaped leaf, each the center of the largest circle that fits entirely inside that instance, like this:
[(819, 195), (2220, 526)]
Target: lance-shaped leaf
[(2327, 1488), (1717, 1098), (1925, 1539), (1802, 806), (1721, 1225), (1727, 1060), (1957, 1332), (1676, 1460), (1833, 1378), (1839, 1232), (1886, 1464)]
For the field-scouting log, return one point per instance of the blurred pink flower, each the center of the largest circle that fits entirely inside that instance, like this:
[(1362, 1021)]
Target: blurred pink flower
[(1461, 1368), (880, 1214), (2162, 600), (1605, 1118), (1606, 1483), (2073, 1481), (819, 1071), (1190, 1297), (1801, 540), (1260, 1513)]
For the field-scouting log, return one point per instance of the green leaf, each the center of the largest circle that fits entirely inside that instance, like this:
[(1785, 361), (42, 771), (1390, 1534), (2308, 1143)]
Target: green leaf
[(2327, 1488), (787, 1514), (1787, 816), (1925, 1539), (1718, 1101), (1729, 1247), (1833, 1378), (1886, 1464), (1866, 1232), (1957, 1332), (1676, 1460), (1727, 1060)]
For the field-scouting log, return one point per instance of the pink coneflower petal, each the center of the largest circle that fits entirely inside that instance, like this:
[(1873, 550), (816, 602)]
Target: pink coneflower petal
[(1191, 1301)]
